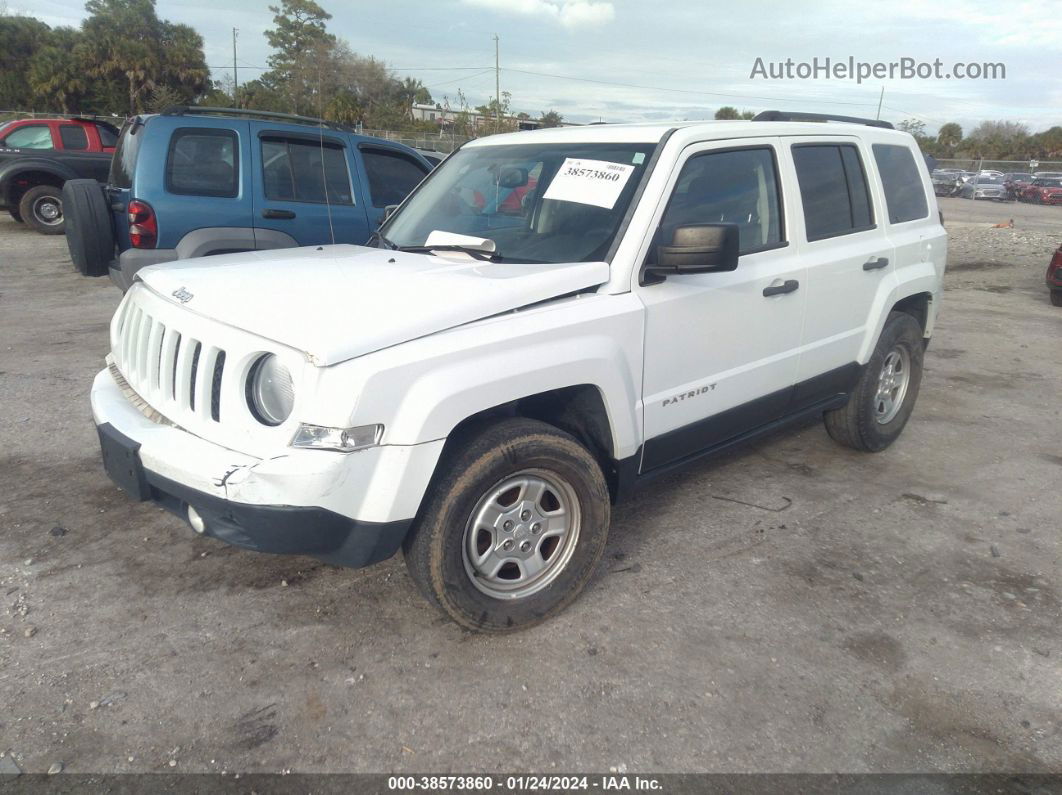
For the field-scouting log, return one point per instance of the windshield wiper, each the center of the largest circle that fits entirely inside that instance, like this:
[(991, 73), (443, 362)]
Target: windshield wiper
[(471, 250)]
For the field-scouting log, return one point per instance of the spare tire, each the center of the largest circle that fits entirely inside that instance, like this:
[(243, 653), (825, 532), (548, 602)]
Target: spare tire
[(89, 234)]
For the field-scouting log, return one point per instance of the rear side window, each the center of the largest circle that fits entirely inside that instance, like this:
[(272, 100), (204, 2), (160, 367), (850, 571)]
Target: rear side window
[(108, 138), (391, 175), (32, 136), (73, 136), (904, 194), (301, 171), (736, 187), (833, 190), (203, 162)]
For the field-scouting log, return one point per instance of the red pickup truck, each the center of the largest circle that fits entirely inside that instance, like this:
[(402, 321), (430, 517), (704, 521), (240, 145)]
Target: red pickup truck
[(37, 156)]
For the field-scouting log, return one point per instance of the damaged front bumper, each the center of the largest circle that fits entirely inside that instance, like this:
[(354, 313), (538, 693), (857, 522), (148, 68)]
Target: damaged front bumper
[(346, 509)]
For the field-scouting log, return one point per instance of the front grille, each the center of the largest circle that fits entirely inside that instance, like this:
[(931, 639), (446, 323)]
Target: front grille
[(172, 371)]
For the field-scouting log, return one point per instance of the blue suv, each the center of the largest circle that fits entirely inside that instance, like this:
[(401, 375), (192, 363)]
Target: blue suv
[(193, 181)]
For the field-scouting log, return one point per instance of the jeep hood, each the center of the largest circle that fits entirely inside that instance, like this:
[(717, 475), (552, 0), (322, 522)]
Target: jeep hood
[(338, 302)]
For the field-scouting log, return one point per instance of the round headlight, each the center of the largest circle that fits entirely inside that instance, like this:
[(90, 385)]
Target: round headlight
[(270, 391)]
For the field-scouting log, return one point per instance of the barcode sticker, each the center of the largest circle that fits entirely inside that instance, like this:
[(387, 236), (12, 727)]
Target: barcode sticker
[(596, 182)]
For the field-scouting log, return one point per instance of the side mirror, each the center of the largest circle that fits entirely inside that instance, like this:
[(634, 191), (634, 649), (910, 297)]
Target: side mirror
[(513, 178), (698, 248), (389, 210)]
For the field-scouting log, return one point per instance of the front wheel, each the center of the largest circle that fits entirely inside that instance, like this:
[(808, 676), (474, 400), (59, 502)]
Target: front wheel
[(42, 209), (884, 398), (1056, 297), (513, 530)]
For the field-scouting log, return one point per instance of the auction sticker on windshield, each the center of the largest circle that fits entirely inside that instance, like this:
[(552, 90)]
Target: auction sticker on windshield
[(597, 182)]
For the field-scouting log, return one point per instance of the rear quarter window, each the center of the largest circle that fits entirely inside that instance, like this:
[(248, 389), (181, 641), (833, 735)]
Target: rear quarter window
[(203, 161), (123, 162), (905, 196)]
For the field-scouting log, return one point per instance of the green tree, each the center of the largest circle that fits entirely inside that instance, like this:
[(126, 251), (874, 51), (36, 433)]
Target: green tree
[(550, 119), (727, 112), (124, 40), (998, 140), (914, 127), (57, 73), (303, 53), (20, 39)]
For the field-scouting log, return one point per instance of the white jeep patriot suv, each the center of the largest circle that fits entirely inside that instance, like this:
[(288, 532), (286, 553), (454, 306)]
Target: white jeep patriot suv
[(548, 320)]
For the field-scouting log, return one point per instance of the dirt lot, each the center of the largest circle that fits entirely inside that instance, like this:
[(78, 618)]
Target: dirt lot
[(794, 607)]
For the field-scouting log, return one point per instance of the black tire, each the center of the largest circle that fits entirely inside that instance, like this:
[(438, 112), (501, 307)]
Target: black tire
[(16, 215), (36, 207), (862, 424), (435, 550), (89, 234), (1056, 298)]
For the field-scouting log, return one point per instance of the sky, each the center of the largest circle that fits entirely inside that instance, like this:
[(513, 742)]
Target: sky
[(630, 60)]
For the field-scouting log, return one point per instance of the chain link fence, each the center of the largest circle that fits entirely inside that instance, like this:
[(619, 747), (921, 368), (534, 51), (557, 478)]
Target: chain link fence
[(441, 142)]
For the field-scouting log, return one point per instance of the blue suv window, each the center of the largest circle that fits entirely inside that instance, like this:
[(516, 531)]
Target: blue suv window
[(392, 175), (203, 162), (296, 170)]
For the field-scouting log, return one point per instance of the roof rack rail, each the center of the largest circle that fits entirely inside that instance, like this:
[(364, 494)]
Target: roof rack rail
[(785, 115), (191, 110)]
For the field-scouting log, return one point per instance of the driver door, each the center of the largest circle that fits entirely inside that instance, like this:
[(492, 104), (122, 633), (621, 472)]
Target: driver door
[(722, 349)]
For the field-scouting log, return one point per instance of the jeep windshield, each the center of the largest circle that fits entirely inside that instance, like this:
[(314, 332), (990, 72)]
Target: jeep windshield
[(537, 203)]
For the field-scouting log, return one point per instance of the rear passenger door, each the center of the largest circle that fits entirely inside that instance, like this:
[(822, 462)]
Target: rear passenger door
[(76, 154), (848, 255), (304, 191), (390, 175)]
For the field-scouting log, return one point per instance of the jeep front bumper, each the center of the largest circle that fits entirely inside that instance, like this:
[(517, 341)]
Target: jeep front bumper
[(349, 509)]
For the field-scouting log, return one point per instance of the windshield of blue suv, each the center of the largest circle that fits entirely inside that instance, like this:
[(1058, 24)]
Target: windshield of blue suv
[(533, 203)]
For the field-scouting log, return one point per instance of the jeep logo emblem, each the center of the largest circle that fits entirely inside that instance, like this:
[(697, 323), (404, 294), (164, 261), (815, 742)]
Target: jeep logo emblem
[(182, 295)]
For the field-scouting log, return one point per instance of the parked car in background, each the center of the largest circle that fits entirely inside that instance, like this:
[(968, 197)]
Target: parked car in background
[(946, 182), (193, 182), (38, 156), (1043, 190), (981, 187), (1054, 277), (480, 387), (1014, 184), (1048, 175)]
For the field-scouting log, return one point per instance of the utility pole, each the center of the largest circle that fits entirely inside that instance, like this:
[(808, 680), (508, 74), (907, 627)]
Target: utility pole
[(235, 78), (497, 87), (880, 98)]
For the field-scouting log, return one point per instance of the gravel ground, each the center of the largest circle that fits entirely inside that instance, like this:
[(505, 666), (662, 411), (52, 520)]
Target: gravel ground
[(792, 607)]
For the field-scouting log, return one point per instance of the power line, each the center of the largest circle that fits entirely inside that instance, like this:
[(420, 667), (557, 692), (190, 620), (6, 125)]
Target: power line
[(676, 90)]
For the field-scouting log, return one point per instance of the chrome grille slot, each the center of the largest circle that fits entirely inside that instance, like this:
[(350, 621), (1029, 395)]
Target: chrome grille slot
[(215, 387)]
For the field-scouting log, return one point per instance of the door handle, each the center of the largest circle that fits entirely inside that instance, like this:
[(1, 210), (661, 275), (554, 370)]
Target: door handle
[(790, 286), (277, 214), (876, 264)]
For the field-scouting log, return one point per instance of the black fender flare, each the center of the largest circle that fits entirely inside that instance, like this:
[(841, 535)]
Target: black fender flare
[(10, 171)]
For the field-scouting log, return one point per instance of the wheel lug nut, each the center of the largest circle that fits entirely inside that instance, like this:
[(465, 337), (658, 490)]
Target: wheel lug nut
[(507, 544), (508, 525), (525, 547), (536, 528), (525, 515)]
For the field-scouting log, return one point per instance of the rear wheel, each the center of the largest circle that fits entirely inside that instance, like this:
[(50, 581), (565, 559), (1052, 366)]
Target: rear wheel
[(42, 209), (514, 529), (89, 235), (884, 398), (1056, 297)]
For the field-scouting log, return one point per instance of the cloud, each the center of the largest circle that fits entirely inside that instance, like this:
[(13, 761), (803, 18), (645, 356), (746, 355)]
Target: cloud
[(569, 13)]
